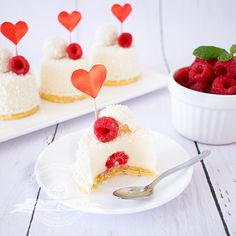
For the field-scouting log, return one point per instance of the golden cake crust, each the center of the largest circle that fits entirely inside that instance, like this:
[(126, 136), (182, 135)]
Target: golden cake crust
[(119, 171), (123, 170), (121, 82), (19, 115), (64, 99)]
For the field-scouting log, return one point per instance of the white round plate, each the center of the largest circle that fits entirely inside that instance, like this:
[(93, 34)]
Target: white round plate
[(54, 175)]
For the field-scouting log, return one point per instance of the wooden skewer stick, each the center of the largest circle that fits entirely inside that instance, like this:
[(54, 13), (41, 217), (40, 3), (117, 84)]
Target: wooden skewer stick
[(95, 109), (69, 37), (121, 28), (16, 51)]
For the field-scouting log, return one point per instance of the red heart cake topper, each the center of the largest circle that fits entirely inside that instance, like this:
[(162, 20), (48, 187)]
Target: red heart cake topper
[(14, 32), (90, 82), (69, 21), (121, 13)]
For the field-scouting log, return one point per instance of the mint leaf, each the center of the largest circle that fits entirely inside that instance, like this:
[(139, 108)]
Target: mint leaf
[(233, 49), (225, 56), (208, 52)]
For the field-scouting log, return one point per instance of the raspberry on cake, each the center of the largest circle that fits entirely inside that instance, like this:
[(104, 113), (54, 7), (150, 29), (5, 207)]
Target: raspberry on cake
[(59, 61), (19, 65), (123, 153), (116, 159), (19, 96), (125, 40), (74, 51), (117, 52), (106, 129)]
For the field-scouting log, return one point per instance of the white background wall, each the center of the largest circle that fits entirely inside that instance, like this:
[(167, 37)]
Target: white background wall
[(185, 25)]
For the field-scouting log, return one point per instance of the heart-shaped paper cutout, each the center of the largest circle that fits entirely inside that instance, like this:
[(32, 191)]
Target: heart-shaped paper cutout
[(121, 13), (14, 32), (90, 82), (69, 21)]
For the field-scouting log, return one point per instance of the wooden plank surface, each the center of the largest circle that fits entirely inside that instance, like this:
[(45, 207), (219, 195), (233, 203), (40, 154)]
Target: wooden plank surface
[(222, 178), (17, 181)]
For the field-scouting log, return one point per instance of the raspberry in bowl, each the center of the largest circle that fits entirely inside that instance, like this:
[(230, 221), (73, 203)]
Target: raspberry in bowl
[(203, 97)]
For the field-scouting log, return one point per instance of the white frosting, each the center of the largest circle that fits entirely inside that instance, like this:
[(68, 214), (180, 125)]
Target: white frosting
[(18, 93), (92, 154), (106, 35), (121, 63), (55, 48), (56, 76), (120, 113), (5, 56)]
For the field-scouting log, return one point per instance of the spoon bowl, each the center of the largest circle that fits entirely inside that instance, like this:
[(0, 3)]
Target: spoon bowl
[(133, 192)]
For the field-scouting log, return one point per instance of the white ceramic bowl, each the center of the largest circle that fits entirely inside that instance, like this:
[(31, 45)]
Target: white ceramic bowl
[(202, 117)]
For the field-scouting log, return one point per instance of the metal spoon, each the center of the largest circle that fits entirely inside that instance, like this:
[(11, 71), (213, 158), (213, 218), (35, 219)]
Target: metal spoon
[(142, 192)]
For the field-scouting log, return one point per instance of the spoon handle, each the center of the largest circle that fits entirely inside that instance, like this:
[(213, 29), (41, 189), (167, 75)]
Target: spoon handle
[(181, 166)]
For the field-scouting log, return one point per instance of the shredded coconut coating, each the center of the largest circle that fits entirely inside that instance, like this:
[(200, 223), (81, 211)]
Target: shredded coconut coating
[(5, 56), (122, 114), (106, 35), (55, 48)]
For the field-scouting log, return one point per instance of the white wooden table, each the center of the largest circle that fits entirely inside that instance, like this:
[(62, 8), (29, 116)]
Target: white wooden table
[(206, 207)]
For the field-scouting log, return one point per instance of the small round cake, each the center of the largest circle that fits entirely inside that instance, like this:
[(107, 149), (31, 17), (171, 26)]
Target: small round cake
[(57, 65), (117, 54), (19, 95), (114, 146)]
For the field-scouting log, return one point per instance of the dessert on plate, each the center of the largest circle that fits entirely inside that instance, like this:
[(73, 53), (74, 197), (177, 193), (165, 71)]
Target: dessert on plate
[(59, 61), (19, 95), (115, 145), (117, 52)]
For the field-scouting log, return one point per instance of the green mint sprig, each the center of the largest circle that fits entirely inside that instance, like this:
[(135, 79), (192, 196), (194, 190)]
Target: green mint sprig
[(233, 49), (210, 52)]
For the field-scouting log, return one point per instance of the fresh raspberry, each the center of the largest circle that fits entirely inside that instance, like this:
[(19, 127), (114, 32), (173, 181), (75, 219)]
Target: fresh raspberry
[(227, 68), (232, 68), (211, 61), (19, 65), (181, 76), (74, 51), (106, 129), (125, 40), (201, 72), (220, 68), (232, 90), (201, 87), (116, 159), (223, 85)]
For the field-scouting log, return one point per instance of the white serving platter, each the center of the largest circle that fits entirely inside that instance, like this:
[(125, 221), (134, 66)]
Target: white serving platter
[(53, 113), (54, 175)]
